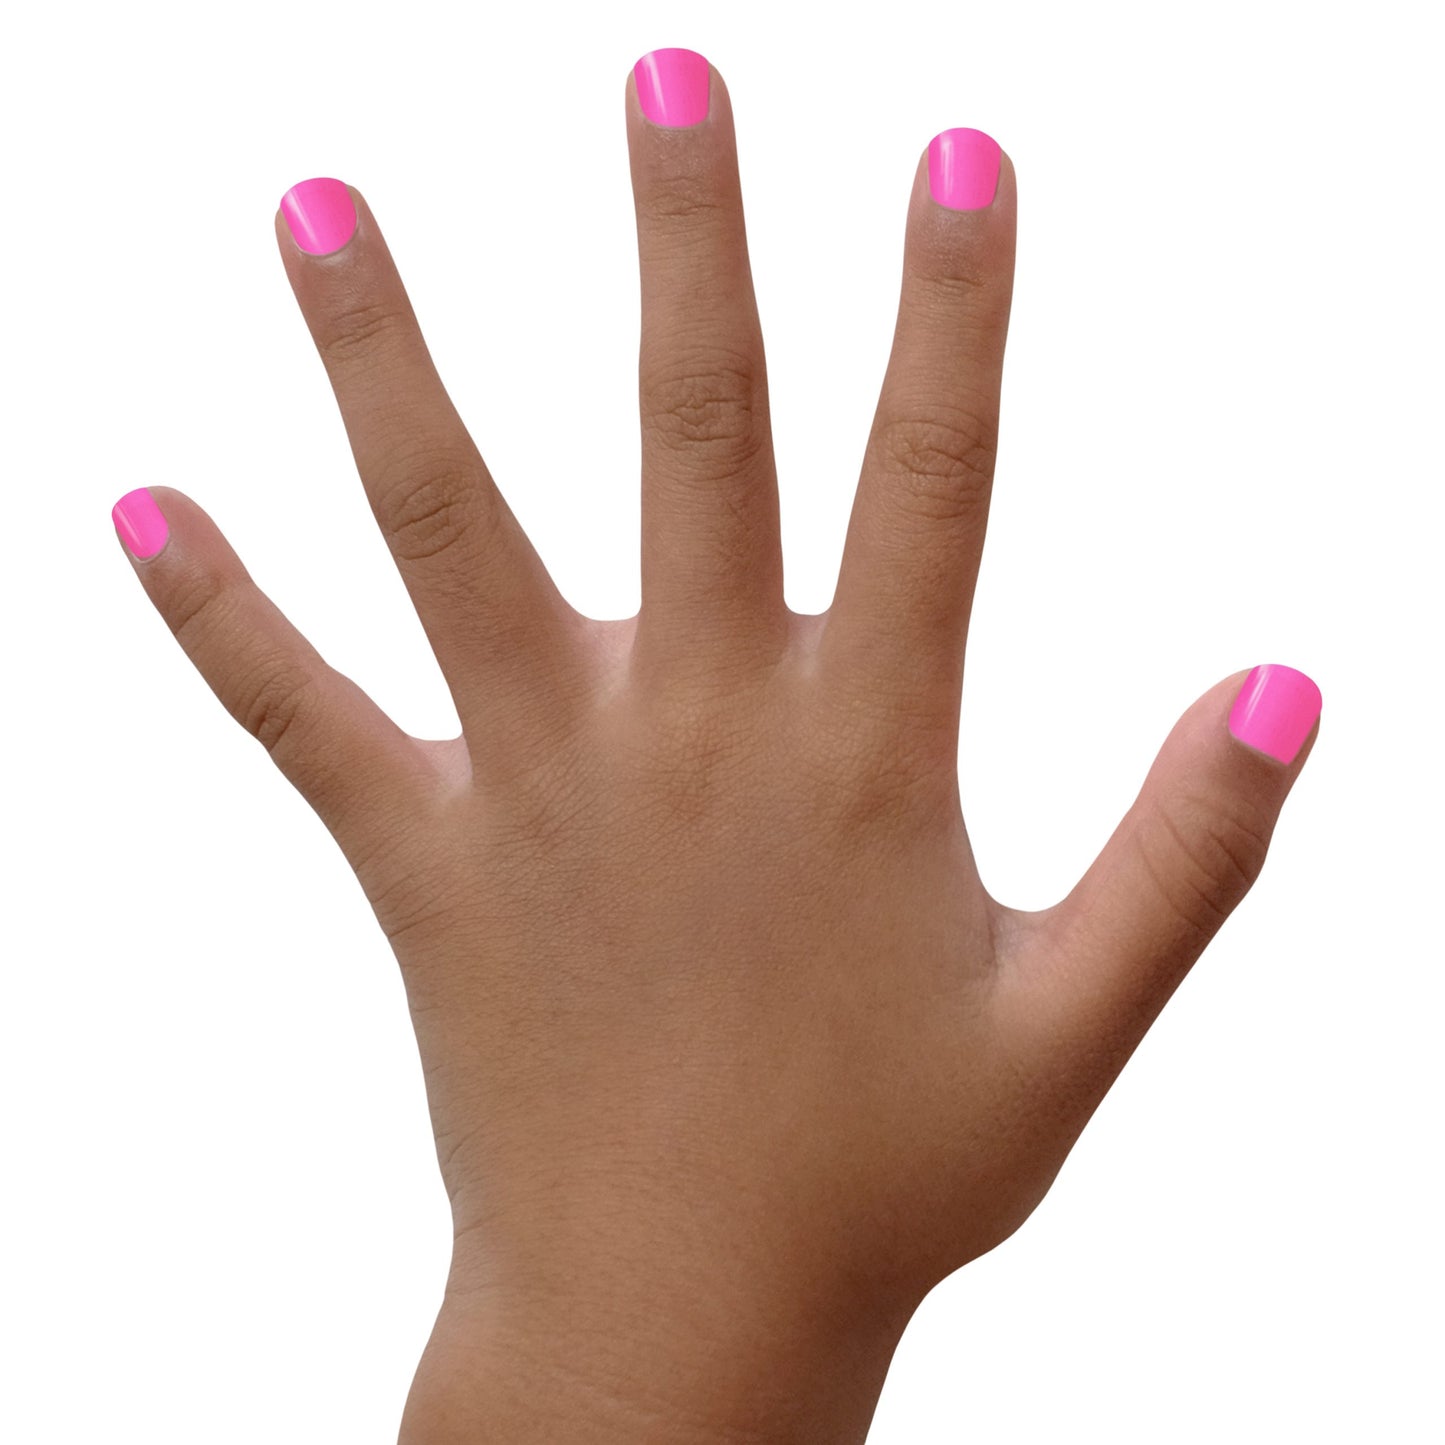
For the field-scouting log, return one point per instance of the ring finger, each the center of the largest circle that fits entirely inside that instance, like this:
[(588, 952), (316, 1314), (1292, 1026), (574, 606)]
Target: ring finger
[(492, 614)]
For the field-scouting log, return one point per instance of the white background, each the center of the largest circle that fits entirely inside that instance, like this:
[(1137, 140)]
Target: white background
[(222, 1215)]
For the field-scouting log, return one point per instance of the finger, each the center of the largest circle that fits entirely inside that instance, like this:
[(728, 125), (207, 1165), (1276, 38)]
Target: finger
[(498, 625), (711, 550), (356, 768), (899, 618), (1092, 974)]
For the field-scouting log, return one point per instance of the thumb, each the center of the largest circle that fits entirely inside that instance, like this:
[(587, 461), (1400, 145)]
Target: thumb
[(1110, 955)]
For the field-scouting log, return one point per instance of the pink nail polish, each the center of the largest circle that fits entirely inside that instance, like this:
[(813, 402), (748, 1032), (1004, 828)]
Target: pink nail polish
[(963, 169), (320, 215), (1275, 710), (141, 526), (673, 87)]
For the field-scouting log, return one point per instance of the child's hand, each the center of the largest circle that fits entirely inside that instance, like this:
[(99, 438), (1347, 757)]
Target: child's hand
[(730, 1056)]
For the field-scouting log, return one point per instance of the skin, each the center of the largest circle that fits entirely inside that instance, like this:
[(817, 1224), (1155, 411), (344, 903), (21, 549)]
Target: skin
[(729, 1054)]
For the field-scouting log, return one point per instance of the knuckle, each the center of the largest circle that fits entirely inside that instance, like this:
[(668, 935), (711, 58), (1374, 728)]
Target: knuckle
[(687, 758), (198, 602), (412, 900), (944, 461), (433, 508), (707, 402), (359, 331), (960, 286), (691, 750), (869, 767), (1204, 858), (891, 800), (685, 199), (1239, 844), (270, 705)]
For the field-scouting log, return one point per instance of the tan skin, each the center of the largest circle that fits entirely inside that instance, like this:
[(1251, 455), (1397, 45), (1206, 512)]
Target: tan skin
[(730, 1056)]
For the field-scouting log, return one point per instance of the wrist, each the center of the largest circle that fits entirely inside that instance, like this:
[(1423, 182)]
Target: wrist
[(676, 1355)]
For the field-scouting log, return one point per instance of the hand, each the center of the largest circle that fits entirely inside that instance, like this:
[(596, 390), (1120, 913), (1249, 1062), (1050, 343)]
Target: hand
[(730, 1056)]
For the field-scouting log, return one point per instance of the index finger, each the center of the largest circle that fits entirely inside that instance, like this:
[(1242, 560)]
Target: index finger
[(899, 618)]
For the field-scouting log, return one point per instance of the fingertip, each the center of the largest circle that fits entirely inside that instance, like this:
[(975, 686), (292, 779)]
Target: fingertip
[(1007, 194), (962, 211)]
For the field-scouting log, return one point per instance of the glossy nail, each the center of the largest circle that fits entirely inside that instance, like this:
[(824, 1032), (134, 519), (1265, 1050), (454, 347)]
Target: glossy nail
[(673, 87), (963, 169), (140, 523), (320, 215), (1275, 710)]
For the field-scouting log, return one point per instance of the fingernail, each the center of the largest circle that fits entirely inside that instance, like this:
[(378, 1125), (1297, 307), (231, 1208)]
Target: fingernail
[(963, 169), (141, 526), (673, 86), (320, 215), (1275, 710)]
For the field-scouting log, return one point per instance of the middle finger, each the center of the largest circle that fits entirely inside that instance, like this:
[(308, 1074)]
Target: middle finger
[(712, 567)]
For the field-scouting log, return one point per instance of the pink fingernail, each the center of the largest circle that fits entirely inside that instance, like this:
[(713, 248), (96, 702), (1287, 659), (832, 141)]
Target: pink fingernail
[(1275, 710), (320, 215), (963, 169), (140, 523), (673, 87)]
